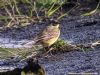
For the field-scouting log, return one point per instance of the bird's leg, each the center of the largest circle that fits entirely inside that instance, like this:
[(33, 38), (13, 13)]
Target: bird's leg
[(50, 56), (48, 50)]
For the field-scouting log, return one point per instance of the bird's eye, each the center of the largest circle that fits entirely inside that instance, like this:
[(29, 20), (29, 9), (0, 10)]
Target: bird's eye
[(54, 24)]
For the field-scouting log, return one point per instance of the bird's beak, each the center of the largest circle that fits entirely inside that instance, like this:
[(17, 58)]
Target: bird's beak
[(57, 25)]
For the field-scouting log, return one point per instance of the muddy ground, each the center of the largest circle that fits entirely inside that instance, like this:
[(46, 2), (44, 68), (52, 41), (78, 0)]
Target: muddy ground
[(74, 30)]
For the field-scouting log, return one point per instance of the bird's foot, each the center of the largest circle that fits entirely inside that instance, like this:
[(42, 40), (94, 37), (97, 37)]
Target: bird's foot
[(48, 54)]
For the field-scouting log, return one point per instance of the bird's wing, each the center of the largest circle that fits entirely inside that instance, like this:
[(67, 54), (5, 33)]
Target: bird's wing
[(48, 34)]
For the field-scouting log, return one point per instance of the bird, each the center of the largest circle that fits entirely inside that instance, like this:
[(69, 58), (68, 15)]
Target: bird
[(33, 68), (48, 36)]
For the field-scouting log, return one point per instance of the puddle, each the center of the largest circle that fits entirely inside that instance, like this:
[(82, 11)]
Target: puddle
[(10, 43)]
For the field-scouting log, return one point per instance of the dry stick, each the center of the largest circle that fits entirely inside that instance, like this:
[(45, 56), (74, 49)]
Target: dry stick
[(9, 13), (68, 11), (16, 6), (12, 18), (9, 52), (36, 11)]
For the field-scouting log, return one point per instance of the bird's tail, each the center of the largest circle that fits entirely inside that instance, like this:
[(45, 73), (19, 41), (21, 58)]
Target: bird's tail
[(30, 43)]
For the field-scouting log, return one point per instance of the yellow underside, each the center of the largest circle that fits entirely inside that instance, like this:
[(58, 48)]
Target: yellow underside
[(49, 42)]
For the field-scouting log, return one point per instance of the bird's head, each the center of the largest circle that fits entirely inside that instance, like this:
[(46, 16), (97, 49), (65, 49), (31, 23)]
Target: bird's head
[(55, 23)]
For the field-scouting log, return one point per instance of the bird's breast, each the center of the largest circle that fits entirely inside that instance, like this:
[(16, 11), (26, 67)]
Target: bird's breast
[(51, 38)]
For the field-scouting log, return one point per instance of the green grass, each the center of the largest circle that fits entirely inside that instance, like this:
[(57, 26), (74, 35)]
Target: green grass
[(13, 14), (13, 52), (59, 43), (47, 9), (62, 46), (12, 11), (93, 11)]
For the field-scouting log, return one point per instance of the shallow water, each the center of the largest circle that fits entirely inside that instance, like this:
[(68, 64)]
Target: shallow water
[(10, 43)]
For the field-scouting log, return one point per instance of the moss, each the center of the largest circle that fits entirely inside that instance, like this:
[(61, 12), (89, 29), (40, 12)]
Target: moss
[(62, 46)]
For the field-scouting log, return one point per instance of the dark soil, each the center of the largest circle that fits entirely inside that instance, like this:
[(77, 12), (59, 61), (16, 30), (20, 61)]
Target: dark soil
[(75, 30)]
